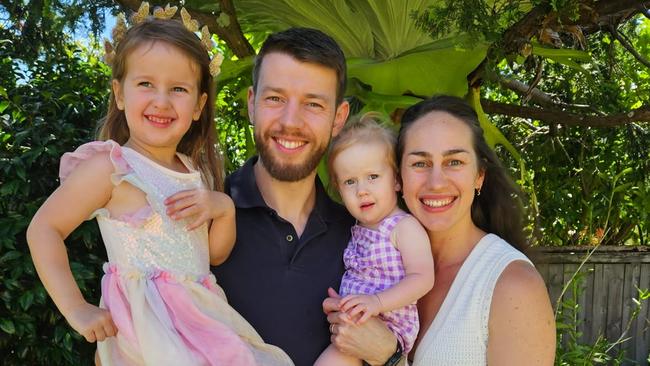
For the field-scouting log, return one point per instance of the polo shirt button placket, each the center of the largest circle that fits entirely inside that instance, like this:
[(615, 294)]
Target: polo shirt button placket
[(289, 238)]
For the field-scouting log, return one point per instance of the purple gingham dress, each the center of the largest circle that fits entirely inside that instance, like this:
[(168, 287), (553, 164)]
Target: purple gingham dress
[(373, 264)]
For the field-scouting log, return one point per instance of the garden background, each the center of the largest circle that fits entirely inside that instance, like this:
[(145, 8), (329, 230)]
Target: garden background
[(562, 88)]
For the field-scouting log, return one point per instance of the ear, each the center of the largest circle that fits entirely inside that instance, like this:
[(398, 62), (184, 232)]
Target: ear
[(199, 106), (480, 179), (117, 92), (397, 186), (341, 116), (251, 105)]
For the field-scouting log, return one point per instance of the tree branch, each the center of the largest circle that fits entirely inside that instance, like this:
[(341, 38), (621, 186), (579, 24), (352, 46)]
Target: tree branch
[(624, 42), (558, 116), (536, 95), (592, 18), (231, 34)]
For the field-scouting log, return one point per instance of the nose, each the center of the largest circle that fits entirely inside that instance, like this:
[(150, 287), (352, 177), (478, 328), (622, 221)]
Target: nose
[(362, 188), (161, 100), (291, 116), (436, 178)]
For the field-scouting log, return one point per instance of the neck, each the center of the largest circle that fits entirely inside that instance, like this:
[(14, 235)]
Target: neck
[(293, 201), (452, 247), (165, 156)]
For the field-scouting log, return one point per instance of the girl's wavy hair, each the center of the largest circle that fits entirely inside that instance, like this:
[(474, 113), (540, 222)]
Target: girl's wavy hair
[(200, 141), (498, 208)]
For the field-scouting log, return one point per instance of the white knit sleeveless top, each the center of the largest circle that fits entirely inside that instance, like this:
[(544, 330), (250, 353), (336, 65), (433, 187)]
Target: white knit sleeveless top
[(459, 333)]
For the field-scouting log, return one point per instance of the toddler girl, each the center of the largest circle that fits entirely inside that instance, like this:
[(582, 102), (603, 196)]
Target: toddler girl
[(388, 260), (154, 186)]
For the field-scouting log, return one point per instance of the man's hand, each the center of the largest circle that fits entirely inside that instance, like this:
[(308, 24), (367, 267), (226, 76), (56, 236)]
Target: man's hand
[(203, 204), (371, 341)]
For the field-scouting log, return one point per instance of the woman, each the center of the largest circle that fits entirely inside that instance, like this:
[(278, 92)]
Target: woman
[(488, 304)]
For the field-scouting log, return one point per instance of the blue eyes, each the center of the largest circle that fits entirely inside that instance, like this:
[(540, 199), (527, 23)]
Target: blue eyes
[(176, 89), (423, 164), (278, 99), (351, 181)]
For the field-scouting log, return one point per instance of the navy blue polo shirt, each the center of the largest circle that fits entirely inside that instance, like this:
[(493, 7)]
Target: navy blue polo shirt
[(277, 280)]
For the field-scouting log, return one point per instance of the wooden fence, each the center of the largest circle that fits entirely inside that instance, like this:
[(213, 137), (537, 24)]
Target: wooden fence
[(609, 285)]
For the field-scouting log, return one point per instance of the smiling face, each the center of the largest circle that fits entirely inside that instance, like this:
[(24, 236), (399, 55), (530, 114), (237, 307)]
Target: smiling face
[(159, 95), (439, 171), (295, 115), (367, 182)]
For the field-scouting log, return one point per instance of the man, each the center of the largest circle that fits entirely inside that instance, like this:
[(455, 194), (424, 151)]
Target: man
[(290, 234)]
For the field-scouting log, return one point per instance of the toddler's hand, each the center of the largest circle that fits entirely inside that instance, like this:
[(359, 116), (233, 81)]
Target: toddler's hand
[(92, 322), (366, 305), (203, 204)]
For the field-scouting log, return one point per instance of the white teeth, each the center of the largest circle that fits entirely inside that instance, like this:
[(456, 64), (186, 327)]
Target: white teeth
[(159, 119), (290, 144), (437, 203)]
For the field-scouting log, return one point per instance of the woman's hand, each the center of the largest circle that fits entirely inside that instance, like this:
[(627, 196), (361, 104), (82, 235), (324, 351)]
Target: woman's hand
[(92, 322), (203, 204)]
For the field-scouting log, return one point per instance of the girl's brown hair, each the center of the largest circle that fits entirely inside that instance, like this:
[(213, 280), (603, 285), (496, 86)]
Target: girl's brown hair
[(200, 141), (364, 129)]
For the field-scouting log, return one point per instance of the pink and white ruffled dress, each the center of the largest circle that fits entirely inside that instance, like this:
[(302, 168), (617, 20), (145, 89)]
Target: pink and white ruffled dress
[(157, 285)]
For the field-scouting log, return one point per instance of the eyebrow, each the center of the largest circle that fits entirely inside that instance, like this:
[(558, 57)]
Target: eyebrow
[(426, 154)]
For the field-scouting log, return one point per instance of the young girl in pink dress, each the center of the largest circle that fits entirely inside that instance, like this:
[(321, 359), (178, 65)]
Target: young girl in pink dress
[(154, 185), (388, 259)]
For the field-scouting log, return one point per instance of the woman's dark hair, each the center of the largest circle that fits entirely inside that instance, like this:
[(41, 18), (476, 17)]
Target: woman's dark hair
[(498, 208)]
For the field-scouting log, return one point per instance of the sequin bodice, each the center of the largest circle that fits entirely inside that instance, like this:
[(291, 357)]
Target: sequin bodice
[(151, 241)]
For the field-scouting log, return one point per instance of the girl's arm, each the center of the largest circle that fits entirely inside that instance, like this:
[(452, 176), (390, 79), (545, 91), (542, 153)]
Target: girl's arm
[(87, 188), (521, 324), (413, 244), (207, 206), (223, 230)]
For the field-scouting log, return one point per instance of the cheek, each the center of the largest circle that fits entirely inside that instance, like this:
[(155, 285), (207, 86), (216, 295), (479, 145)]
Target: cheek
[(409, 181)]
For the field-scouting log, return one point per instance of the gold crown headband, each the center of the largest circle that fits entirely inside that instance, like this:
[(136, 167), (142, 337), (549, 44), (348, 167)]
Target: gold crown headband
[(119, 31)]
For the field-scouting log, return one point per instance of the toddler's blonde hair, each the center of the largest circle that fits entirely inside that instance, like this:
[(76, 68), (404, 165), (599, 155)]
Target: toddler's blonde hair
[(365, 129)]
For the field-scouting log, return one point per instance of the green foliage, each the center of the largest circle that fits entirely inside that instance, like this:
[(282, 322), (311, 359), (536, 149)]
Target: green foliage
[(483, 19), (47, 106), (589, 181), (235, 131), (42, 25)]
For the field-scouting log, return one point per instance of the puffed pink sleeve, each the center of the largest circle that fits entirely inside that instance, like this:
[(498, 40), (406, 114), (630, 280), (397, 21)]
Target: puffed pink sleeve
[(70, 160)]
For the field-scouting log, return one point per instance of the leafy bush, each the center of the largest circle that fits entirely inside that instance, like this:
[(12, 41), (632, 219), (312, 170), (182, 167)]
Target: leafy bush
[(47, 107)]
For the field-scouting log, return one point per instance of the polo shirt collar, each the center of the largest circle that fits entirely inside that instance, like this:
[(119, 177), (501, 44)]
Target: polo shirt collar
[(244, 192)]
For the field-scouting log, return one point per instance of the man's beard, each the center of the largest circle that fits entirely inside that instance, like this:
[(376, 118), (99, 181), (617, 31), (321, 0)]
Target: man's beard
[(287, 172)]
